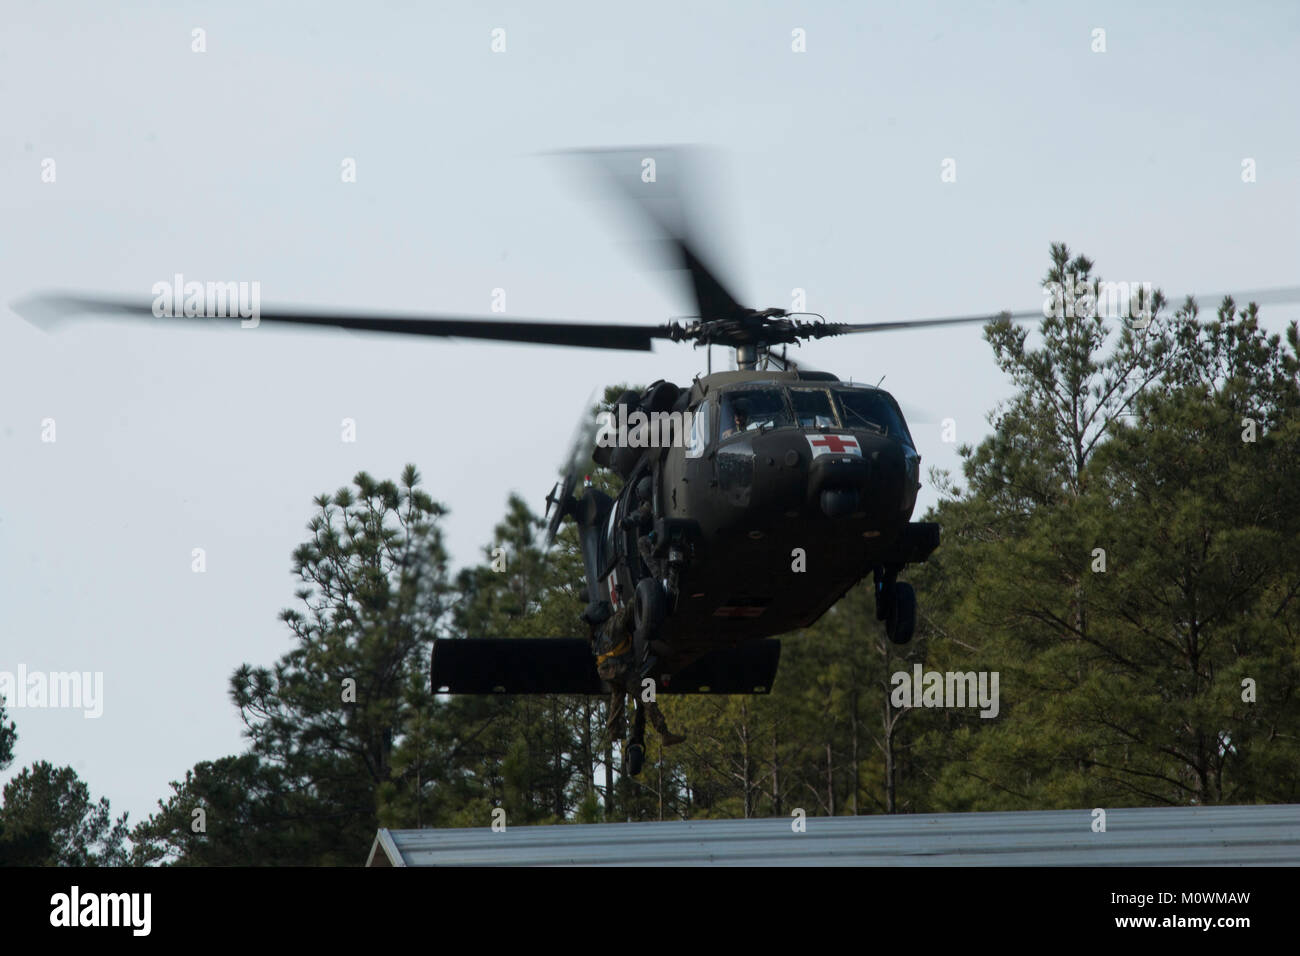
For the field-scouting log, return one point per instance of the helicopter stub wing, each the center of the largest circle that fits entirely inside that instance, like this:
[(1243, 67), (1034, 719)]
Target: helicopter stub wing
[(493, 665)]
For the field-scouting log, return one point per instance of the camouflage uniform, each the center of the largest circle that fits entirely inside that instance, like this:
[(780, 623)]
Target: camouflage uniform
[(614, 657), (661, 724), (613, 647)]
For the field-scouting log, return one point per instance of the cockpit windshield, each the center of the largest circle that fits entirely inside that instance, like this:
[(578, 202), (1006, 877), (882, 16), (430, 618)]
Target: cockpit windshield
[(871, 408), (752, 408), (812, 407)]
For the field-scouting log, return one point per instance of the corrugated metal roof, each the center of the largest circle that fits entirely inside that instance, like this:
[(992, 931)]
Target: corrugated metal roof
[(1144, 836)]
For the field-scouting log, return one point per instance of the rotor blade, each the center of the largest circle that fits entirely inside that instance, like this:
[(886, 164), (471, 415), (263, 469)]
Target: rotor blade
[(712, 300), (48, 309), (662, 201), (1276, 296), (925, 323)]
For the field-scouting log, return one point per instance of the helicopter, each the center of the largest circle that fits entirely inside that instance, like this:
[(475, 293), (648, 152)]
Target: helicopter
[(751, 500)]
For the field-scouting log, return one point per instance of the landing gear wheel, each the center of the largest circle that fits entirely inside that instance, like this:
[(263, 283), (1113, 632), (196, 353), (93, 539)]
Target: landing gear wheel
[(900, 622), (649, 608)]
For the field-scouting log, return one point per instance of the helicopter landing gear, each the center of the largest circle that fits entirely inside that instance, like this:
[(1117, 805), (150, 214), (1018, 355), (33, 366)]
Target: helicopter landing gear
[(648, 612), (895, 605), (901, 623)]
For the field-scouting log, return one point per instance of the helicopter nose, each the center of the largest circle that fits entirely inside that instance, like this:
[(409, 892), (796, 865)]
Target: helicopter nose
[(867, 484), (838, 502), (835, 483)]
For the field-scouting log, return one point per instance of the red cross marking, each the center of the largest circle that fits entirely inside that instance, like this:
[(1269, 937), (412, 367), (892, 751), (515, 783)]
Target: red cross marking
[(836, 444)]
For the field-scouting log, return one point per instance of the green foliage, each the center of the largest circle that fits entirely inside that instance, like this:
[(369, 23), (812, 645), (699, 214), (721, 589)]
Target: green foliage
[(236, 811), (324, 722), (8, 737), (1123, 686), (49, 819)]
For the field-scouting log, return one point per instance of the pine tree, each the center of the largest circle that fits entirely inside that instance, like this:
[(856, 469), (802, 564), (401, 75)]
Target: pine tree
[(1105, 560), (324, 722), (51, 806)]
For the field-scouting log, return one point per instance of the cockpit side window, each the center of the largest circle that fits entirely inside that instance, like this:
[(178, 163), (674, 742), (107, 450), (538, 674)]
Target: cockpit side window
[(699, 431), (749, 409)]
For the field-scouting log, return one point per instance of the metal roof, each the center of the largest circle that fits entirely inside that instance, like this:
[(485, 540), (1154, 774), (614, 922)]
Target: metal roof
[(1139, 836)]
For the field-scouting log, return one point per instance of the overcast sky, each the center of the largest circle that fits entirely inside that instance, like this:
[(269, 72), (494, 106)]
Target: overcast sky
[(227, 165)]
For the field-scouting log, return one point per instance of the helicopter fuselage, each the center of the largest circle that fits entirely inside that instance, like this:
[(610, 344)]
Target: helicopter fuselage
[(790, 488)]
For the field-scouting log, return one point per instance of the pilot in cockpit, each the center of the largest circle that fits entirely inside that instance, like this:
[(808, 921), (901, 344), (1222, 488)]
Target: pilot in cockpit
[(735, 417)]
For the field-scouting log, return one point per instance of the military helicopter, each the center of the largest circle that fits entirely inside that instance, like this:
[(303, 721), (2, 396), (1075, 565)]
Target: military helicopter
[(752, 500)]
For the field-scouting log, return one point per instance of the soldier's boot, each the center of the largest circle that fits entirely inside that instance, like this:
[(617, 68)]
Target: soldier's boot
[(657, 717), (636, 746)]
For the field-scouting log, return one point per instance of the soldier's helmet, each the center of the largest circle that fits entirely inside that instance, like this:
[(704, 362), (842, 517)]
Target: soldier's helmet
[(740, 408)]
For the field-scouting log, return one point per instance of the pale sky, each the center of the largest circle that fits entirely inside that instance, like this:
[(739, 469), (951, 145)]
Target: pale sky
[(226, 165)]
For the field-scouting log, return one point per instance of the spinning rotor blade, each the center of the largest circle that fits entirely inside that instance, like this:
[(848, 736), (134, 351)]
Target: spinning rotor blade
[(1286, 294), (663, 203), (48, 309), (849, 329), (1279, 296)]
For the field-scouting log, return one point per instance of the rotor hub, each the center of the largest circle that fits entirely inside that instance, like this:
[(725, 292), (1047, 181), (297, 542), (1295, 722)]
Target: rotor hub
[(752, 333)]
